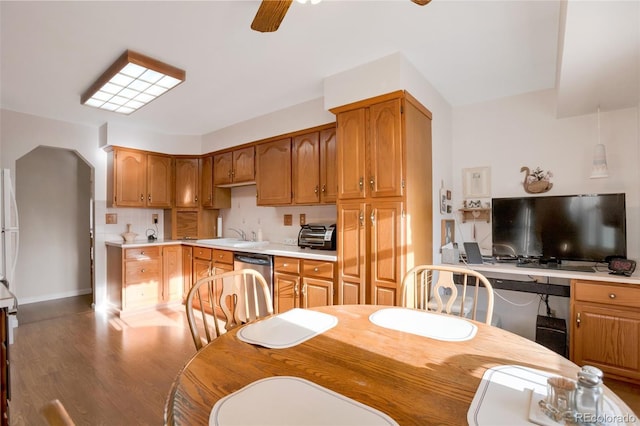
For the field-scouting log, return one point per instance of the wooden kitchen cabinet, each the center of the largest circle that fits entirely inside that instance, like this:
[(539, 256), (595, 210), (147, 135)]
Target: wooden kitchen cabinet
[(138, 179), (208, 261), (273, 172), (5, 371), (302, 283), (313, 164), (187, 270), (605, 328), (234, 167), (384, 196), (143, 277), (211, 196), (187, 182)]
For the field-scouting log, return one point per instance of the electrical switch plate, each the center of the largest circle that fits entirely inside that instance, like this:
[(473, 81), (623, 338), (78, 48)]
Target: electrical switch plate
[(111, 218), (303, 219), (288, 220), (154, 218)]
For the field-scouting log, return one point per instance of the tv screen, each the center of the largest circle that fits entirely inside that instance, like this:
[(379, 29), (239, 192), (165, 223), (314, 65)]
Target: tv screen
[(566, 227)]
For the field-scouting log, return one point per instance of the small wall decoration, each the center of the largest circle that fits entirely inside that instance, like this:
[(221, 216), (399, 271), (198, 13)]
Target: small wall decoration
[(536, 182), (476, 182), (448, 232), (445, 200)]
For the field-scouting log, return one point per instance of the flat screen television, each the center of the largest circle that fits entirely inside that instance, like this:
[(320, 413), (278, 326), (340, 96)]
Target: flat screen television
[(590, 228)]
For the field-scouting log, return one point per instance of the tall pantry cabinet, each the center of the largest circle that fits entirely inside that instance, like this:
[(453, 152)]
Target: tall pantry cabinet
[(384, 196)]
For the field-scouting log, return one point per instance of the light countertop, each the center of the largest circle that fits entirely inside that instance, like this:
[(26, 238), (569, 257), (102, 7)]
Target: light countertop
[(274, 249), (7, 300)]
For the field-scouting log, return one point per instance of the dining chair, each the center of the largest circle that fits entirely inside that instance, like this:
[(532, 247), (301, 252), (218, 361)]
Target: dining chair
[(237, 297), (435, 288), (55, 414)]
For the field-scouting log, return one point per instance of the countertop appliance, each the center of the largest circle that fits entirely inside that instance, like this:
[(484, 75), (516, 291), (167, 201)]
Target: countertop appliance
[(321, 236), (262, 263)]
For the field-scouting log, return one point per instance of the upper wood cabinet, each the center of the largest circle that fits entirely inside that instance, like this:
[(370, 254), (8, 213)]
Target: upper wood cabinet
[(138, 179), (314, 167), (235, 167), (273, 172), (211, 196), (370, 161), (187, 182)]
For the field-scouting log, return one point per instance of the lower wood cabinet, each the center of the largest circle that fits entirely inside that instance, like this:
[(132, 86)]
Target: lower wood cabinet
[(209, 261), (5, 393), (143, 277), (605, 328), (302, 283)]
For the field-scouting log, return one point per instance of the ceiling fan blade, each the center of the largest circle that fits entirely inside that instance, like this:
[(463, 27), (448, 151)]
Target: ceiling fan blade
[(270, 14), (421, 2)]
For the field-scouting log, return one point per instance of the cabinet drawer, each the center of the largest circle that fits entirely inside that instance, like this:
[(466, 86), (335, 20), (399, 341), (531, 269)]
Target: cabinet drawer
[(203, 253), (287, 265), (318, 268), (142, 294), (609, 294), (140, 271), (223, 256), (142, 253)]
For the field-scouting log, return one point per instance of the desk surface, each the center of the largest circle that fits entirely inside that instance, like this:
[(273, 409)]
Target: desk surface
[(413, 379)]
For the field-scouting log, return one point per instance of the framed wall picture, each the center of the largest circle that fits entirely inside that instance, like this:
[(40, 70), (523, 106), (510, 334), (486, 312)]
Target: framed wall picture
[(476, 182), (448, 232)]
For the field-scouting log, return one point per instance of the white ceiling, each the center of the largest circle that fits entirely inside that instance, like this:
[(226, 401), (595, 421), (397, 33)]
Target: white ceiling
[(471, 51)]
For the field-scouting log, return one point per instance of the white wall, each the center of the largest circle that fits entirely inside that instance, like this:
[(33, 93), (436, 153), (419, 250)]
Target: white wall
[(512, 132)]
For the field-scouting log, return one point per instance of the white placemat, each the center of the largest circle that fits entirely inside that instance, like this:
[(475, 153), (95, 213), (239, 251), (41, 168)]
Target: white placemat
[(288, 400), (427, 324), (509, 395), (287, 329)]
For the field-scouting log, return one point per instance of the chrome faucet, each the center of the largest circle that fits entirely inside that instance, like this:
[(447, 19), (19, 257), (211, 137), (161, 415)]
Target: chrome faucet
[(240, 232)]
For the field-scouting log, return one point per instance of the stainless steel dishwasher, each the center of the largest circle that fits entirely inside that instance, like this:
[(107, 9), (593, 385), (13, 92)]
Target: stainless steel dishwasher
[(262, 263)]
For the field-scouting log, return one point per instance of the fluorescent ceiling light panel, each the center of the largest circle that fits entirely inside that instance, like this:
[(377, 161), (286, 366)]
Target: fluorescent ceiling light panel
[(131, 82)]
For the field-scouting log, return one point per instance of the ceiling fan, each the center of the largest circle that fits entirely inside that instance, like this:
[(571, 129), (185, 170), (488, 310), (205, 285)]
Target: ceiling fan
[(271, 13)]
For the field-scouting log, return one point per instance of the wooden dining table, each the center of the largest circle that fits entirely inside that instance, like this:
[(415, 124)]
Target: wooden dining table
[(411, 378)]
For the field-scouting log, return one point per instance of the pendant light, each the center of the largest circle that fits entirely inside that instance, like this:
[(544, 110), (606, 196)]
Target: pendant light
[(599, 167)]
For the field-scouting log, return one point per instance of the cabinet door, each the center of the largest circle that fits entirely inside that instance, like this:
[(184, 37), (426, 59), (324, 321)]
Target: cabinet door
[(351, 132), (222, 168), (328, 169), (385, 150), (608, 338), (286, 292), (273, 172), (305, 159), (385, 219), (316, 292), (352, 249), (206, 181), (244, 165), (172, 272), (187, 278), (131, 177), (159, 180), (187, 177)]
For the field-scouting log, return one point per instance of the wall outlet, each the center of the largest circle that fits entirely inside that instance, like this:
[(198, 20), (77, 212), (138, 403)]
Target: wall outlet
[(154, 218), (111, 218), (288, 220), (303, 219)]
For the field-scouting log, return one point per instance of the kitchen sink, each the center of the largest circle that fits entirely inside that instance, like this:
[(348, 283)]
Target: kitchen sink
[(233, 242)]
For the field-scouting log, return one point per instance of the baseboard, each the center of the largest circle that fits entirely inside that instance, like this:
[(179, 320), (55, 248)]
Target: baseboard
[(54, 296)]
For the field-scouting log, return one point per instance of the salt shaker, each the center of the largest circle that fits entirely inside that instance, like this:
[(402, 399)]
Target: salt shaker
[(589, 396)]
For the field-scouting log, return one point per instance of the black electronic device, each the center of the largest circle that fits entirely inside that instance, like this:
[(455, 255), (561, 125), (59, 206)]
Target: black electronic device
[(321, 236), (586, 228), (620, 266), (552, 333)]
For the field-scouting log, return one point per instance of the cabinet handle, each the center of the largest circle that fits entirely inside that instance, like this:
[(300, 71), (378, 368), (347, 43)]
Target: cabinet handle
[(233, 173), (142, 270), (141, 197), (373, 217), (372, 182), (612, 295), (229, 174), (578, 320), (324, 188), (315, 269), (284, 265), (304, 289), (196, 198), (142, 253), (361, 217), (316, 190), (149, 198), (361, 183), (295, 289)]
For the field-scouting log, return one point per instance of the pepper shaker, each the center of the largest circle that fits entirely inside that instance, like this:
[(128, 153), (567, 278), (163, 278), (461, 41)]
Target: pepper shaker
[(589, 396)]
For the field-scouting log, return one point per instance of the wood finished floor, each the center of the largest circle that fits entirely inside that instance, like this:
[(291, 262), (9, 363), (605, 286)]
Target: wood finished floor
[(105, 370), (109, 371)]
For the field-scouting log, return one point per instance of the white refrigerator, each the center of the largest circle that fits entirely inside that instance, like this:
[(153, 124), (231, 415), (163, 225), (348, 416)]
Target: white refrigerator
[(10, 231)]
